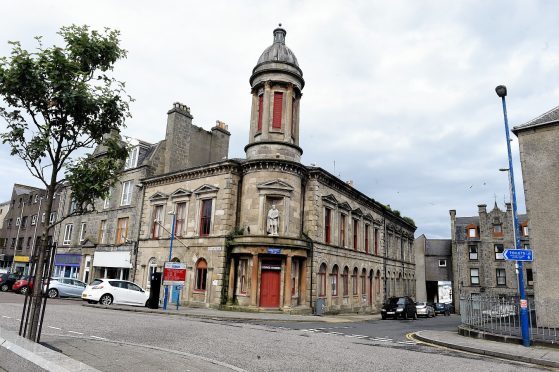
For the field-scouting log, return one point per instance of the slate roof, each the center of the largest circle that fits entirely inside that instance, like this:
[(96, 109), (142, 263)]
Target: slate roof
[(438, 247), (548, 118)]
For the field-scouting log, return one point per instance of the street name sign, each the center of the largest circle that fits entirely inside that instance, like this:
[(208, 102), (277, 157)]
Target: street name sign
[(518, 255), (174, 273)]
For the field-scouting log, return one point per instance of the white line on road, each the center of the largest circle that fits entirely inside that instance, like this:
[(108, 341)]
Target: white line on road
[(98, 338), (77, 333), (4, 316), (59, 329)]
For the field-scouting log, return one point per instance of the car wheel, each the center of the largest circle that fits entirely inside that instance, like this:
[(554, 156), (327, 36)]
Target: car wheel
[(383, 317), (415, 316), (23, 290), (147, 303), (405, 316), (106, 299), (4, 287), (52, 293)]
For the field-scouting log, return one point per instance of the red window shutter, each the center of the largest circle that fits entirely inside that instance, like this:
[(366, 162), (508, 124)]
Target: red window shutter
[(278, 105), (260, 107)]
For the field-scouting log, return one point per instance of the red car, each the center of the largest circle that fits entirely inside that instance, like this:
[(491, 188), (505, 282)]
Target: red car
[(23, 285)]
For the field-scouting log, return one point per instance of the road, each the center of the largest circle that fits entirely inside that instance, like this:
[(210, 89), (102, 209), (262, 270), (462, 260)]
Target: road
[(128, 341)]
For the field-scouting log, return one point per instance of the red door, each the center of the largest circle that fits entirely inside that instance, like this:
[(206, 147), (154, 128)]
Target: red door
[(270, 288)]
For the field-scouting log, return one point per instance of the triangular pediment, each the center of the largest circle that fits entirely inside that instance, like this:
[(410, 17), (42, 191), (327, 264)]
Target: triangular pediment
[(206, 189), (345, 206), (159, 196), (357, 212), (276, 185), (180, 192), (330, 199), (87, 243), (368, 217)]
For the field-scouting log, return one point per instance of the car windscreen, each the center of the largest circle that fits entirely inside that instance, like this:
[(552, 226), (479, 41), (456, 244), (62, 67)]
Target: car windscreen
[(397, 300), (439, 306), (96, 282)]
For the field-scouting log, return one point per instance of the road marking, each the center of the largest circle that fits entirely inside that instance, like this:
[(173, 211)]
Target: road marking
[(98, 338), (77, 333), (350, 336), (58, 329), (382, 339), (4, 316)]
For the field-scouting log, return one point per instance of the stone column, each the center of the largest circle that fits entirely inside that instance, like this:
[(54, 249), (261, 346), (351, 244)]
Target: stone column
[(254, 280), (287, 286), (231, 287), (288, 114), (267, 110)]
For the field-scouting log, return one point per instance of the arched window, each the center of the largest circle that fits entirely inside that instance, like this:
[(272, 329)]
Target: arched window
[(334, 280), (201, 274), (364, 282), (345, 281), (322, 281), (354, 281)]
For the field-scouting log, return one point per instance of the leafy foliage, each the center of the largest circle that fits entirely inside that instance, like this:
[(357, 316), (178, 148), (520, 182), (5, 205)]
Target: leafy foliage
[(61, 100)]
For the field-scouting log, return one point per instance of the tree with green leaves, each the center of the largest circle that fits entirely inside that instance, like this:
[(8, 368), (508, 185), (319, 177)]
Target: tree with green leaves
[(58, 101)]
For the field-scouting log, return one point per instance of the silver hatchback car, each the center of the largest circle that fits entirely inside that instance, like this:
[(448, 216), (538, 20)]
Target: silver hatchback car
[(65, 287)]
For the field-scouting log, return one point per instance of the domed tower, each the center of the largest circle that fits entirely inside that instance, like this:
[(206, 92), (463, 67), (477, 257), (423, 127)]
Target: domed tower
[(276, 83)]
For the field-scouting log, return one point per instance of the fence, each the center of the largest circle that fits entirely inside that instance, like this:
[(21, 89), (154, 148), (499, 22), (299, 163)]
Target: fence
[(501, 316)]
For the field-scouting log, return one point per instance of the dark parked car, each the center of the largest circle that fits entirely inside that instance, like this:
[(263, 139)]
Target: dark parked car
[(7, 281), (399, 307), (442, 308)]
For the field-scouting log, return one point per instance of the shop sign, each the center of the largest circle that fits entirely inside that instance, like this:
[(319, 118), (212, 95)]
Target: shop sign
[(21, 258), (271, 267), (274, 250)]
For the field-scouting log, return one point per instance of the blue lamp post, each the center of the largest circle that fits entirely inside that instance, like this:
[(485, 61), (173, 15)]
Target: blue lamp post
[(166, 294), (501, 91)]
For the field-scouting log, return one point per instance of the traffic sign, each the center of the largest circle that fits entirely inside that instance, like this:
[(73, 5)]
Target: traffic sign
[(518, 255)]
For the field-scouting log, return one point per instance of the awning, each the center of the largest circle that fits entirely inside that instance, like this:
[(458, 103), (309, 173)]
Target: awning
[(21, 258), (112, 259), (68, 260)]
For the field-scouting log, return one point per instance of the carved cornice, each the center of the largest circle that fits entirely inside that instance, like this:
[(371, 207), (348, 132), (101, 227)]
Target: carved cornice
[(214, 169), (278, 165)]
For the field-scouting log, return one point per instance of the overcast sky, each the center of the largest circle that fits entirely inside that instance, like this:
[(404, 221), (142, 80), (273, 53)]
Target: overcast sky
[(399, 95)]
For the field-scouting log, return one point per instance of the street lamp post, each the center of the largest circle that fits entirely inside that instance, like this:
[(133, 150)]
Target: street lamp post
[(501, 91), (166, 294)]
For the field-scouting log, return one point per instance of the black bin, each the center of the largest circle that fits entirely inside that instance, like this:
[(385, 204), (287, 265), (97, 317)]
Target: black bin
[(155, 289)]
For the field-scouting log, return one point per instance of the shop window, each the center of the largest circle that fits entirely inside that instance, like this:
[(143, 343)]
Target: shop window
[(243, 271), (180, 214), (205, 217), (201, 274), (327, 225), (345, 282), (473, 251), (501, 277), (121, 230), (499, 252), (157, 221), (334, 281), (68, 234), (474, 276), (322, 281)]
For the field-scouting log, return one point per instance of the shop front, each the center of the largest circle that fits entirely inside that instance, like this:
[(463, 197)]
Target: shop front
[(112, 265), (21, 264), (67, 265)]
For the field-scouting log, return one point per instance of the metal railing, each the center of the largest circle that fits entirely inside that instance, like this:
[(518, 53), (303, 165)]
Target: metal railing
[(500, 315)]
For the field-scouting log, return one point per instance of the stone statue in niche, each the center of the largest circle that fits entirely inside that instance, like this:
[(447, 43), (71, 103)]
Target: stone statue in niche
[(272, 222)]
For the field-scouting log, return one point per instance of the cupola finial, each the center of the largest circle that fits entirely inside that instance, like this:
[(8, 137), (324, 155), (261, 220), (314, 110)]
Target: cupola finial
[(279, 35)]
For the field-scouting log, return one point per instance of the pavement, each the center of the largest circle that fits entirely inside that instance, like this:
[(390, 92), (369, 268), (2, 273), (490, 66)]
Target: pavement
[(539, 355)]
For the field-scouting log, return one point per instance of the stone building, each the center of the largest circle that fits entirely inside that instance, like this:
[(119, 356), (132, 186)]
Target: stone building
[(24, 223), (268, 231), (433, 268), (539, 157), (103, 243), (478, 243)]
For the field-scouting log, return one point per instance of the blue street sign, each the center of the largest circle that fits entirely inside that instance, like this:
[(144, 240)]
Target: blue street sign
[(518, 255), (274, 250)]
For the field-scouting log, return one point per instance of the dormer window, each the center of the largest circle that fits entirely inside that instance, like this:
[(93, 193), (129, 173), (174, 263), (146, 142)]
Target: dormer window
[(472, 231), (132, 160)]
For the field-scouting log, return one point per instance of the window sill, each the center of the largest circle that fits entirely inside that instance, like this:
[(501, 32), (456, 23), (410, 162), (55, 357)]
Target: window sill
[(199, 291)]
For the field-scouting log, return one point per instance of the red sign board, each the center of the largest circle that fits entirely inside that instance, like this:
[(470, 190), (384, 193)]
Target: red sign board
[(174, 273)]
